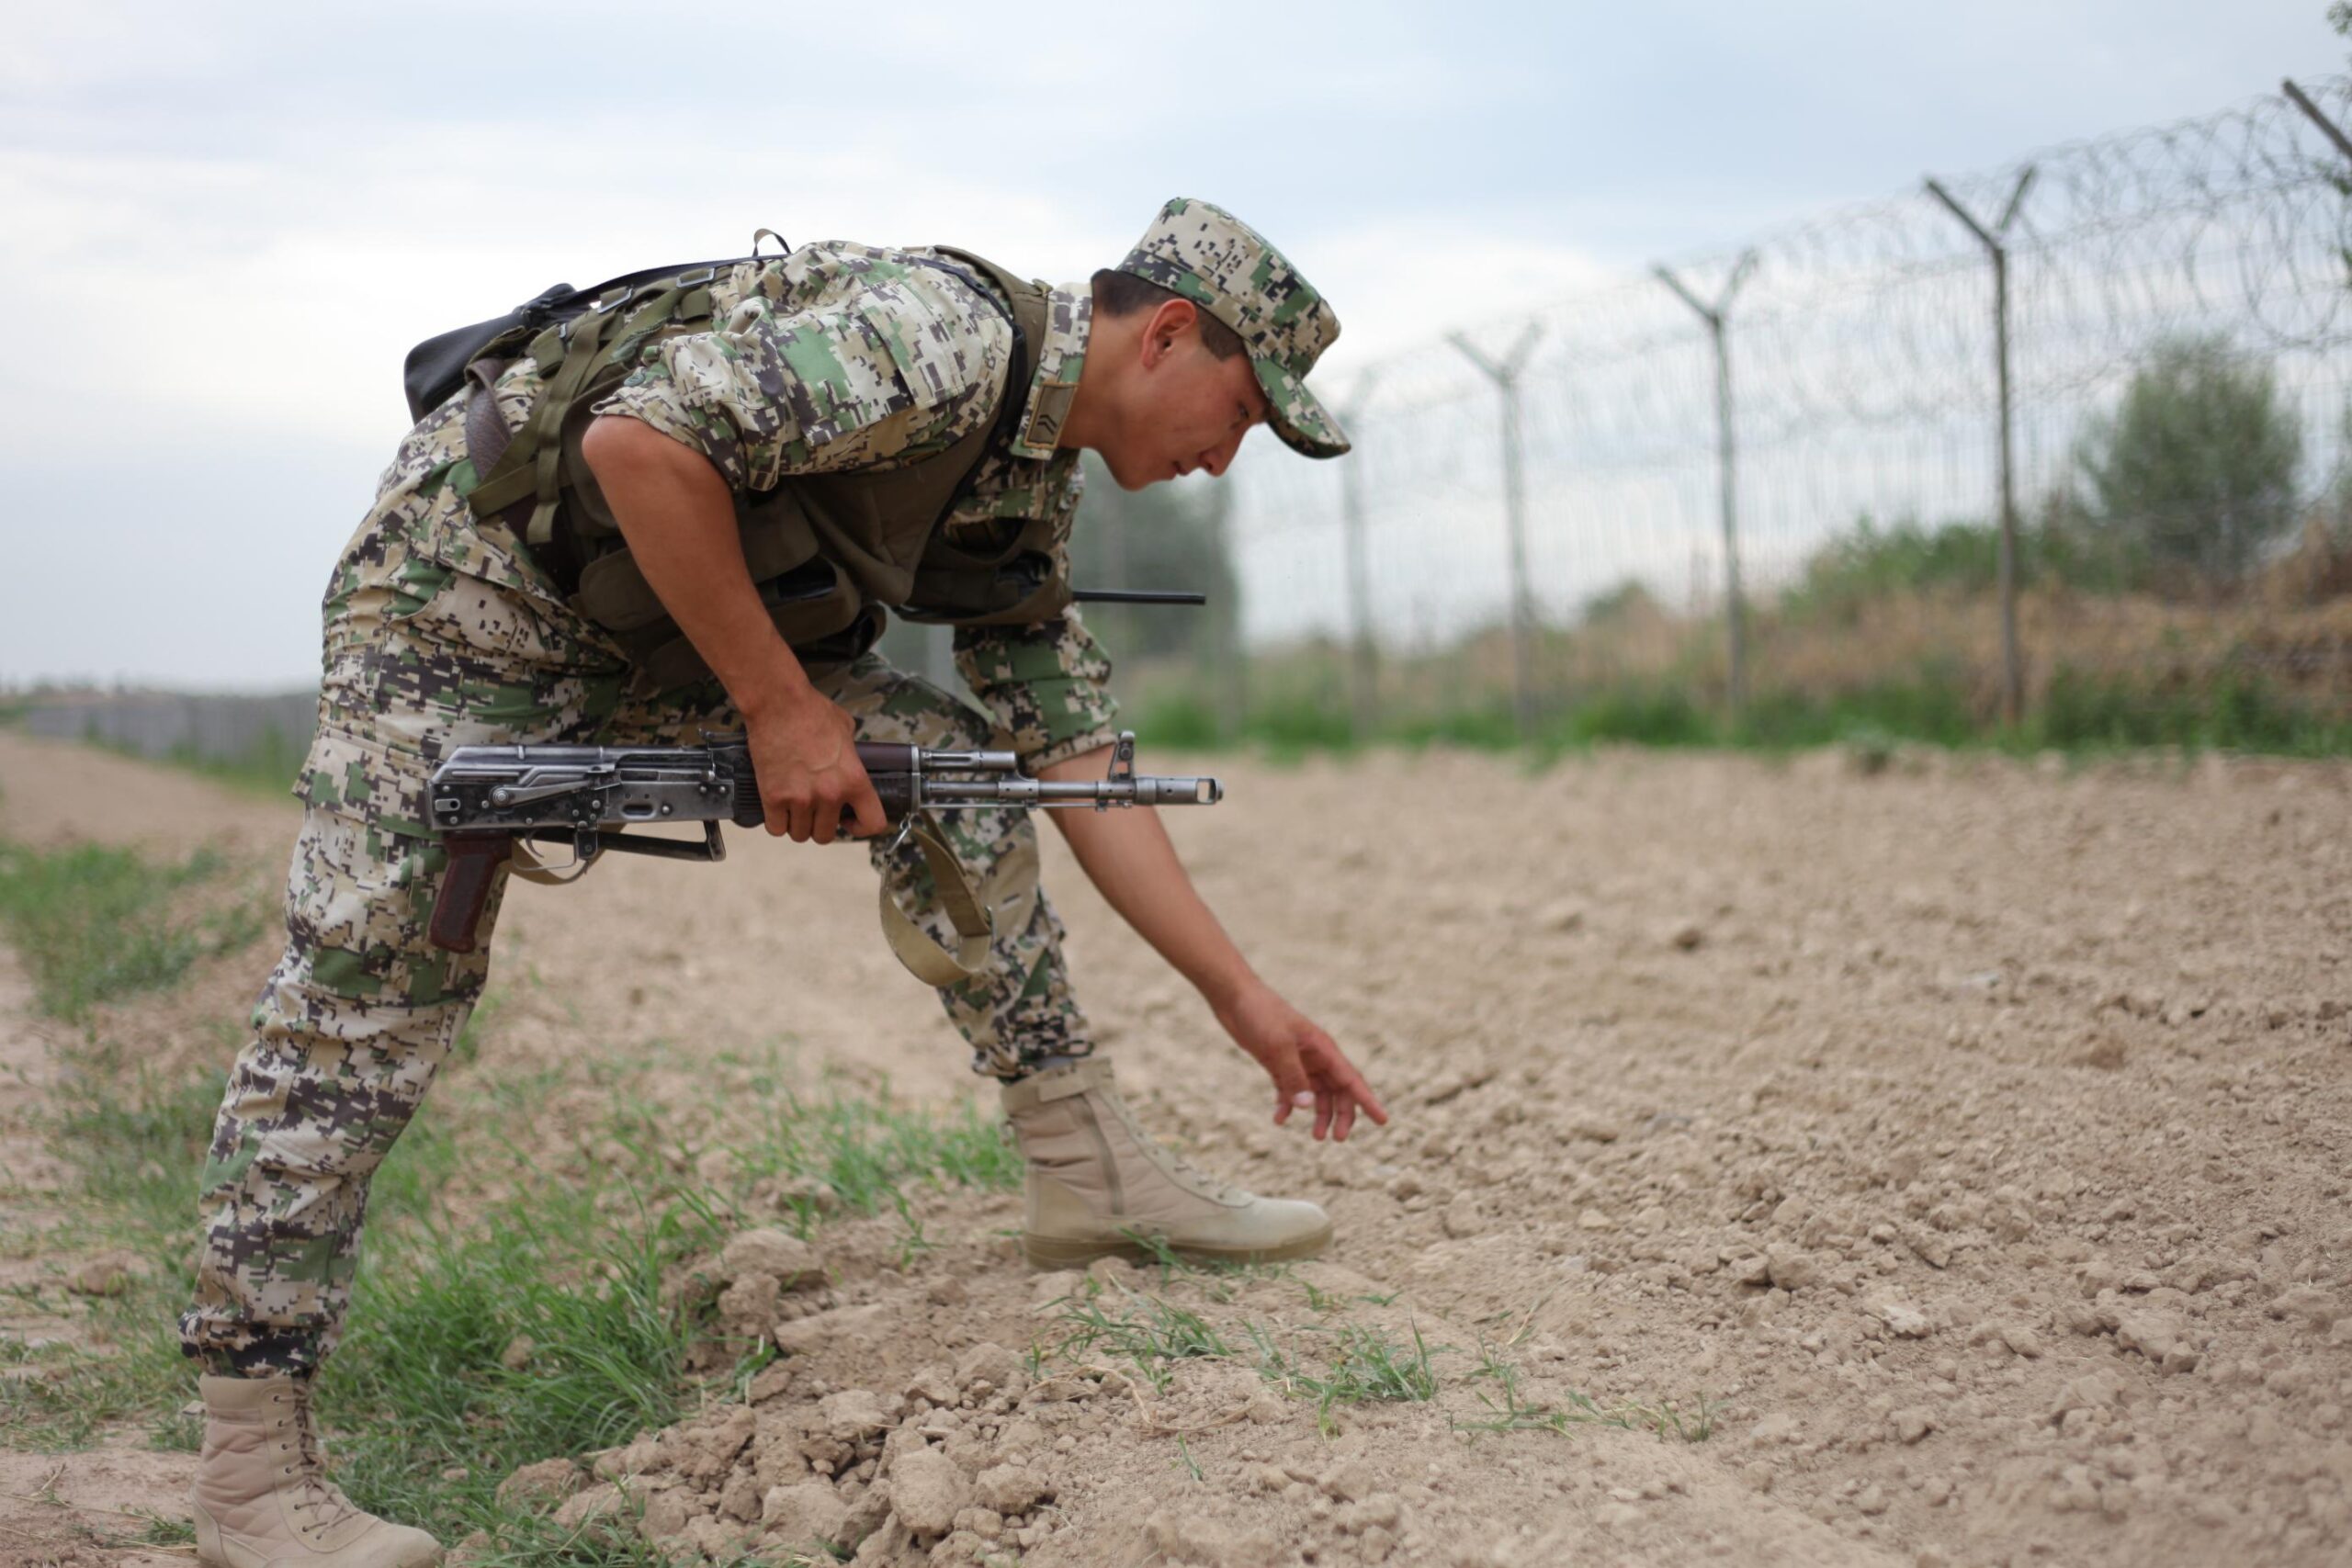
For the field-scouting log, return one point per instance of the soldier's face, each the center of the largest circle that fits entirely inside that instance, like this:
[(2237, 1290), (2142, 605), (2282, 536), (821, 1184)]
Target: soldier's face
[(1188, 410)]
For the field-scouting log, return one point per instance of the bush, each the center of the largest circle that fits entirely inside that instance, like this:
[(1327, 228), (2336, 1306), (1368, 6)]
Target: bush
[(2193, 476), (1871, 564)]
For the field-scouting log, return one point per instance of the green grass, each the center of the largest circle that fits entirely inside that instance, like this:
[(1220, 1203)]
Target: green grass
[(2079, 713), (1327, 1364), (95, 924), (863, 1149), (1145, 1331), (264, 765), (423, 1384), (1361, 1364), (1508, 1409)]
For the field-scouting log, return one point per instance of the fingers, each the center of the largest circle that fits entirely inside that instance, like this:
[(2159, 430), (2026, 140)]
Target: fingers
[(1348, 1087), (866, 809), (832, 808), (1291, 1090), (793, 817)]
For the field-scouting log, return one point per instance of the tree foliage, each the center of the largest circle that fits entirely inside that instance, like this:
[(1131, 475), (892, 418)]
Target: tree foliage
[(2193, 476)]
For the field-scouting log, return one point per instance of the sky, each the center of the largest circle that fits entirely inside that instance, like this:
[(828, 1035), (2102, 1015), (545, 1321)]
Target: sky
[(227, 223)]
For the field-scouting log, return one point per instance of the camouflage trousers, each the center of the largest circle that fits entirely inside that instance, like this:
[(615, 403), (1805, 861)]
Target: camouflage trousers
[(361, 1009)]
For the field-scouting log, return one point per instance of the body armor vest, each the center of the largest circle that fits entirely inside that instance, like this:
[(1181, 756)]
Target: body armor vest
[(828, 553)]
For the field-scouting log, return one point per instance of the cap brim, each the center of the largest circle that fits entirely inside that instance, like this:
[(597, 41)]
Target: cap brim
[(1296, 416)]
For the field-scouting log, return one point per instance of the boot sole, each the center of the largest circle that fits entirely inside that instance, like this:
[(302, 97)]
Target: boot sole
[(1060, 1252)]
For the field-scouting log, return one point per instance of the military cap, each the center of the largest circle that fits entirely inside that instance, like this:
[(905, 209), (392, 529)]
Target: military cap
[(1229, 269)]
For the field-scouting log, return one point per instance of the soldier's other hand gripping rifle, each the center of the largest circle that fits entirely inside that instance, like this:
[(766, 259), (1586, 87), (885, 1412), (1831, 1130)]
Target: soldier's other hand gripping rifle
[(483, 799)]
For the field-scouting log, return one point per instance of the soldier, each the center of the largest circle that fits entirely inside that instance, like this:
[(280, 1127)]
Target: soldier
[(683, 510)]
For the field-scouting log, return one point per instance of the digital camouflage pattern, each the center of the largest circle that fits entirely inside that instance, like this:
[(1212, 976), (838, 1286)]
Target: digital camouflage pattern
[(837, 356), (1230, 270), (441, 631)]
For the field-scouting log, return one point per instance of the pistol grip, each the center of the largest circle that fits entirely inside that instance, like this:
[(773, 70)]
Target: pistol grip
[(472, 872)]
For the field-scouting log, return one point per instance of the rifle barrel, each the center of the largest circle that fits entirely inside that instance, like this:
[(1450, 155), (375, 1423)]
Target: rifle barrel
[(1052, 793)]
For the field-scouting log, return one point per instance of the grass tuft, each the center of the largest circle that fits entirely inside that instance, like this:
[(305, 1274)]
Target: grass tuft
[(96, 923), (1508, 1409), (1363, 1364), (1145, 1331), (863, 1149)]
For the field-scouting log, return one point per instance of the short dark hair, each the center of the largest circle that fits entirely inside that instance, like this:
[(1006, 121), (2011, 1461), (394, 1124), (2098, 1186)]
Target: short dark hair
[(1120, 293)]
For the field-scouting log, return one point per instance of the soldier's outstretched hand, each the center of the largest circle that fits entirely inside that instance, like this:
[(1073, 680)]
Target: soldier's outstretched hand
[(1306, 1065), (804, 753)]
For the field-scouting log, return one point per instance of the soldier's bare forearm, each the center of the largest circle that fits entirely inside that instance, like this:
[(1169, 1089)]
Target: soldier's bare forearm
[(678, 516), (1128, 855)]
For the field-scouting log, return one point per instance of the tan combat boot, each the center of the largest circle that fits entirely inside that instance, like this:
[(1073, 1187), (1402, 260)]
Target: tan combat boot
[(1094, 1175), (261, 1496)]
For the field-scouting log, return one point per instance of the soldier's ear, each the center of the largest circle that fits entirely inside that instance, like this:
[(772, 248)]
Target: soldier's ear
[(1170, 324)]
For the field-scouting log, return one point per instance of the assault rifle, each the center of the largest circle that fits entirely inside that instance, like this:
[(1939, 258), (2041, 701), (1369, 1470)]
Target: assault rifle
[(483, 799)]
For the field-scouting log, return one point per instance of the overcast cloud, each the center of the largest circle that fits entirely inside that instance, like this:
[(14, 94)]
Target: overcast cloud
[(226, 223)]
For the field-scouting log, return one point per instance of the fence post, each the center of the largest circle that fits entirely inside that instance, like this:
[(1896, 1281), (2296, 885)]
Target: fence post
[(1995, 241), (1364, 657), (1726, 468), (1505, 376), (2328, 127)]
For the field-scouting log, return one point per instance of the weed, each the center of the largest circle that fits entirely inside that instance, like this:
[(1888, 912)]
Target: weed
[(1363, 1364), (748, 1367), (1147, 1331), (1509, 1410), (161, 1532), (914, 1242), (1191, 1465), (1367, 1364)]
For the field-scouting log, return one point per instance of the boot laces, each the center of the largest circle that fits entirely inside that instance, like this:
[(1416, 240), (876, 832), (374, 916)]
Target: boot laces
[(321, 1501), (1219, 1190)]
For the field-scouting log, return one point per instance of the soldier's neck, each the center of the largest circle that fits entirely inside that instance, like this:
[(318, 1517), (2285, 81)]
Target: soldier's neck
[(1110, 343)]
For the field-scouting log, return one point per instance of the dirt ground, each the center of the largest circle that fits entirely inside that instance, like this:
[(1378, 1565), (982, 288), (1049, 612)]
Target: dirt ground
[(1972, 1134)]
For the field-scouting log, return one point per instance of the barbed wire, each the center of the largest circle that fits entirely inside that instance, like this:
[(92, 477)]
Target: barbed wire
[(1860, 346)]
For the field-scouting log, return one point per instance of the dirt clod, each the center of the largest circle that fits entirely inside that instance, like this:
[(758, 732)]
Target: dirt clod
[(803, 1513), (927, 1491), (1010, 1488), (538, 1485), (779, 1255)]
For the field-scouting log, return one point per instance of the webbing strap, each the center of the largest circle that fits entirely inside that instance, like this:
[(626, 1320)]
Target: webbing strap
[(1009, 889), (533, 464), (517, 473)]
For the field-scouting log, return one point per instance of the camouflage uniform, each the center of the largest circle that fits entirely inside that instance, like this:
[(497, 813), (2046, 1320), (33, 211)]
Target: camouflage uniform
[(441, 631)]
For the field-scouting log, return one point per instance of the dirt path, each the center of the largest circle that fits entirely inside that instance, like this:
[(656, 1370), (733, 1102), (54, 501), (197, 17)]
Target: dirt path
[(1975, 1133)]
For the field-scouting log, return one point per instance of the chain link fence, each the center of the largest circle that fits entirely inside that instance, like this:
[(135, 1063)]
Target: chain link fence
[(2056, 451)]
